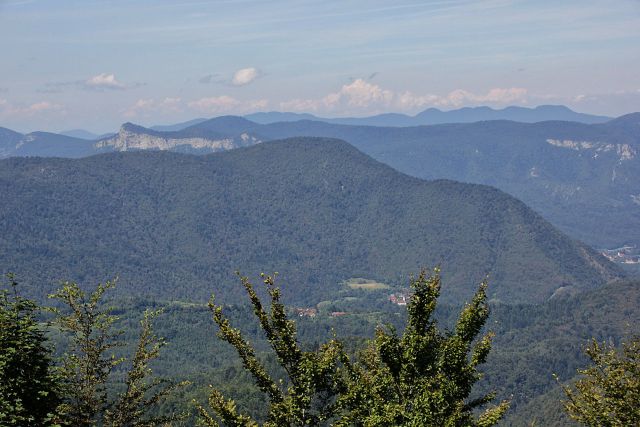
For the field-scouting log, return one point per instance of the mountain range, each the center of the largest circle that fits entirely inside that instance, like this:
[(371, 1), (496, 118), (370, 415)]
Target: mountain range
[(584, 178), (84, 134), (433, 116), (430, 116), (316, 210)]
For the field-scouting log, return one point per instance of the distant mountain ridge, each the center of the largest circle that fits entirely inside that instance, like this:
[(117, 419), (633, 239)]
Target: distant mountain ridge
[(316, 210), (583, 177), (84, 134), (193, 133), (43, 144), (177, 126), (434, 116), (429, 116)]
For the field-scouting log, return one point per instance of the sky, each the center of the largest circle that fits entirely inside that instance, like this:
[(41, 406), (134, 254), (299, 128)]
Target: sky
[(96, 64)]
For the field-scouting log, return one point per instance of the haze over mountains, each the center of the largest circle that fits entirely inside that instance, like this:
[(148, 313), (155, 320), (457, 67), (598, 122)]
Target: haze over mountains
[(342, 148), (434, 116), (174, 227), (316, 210), (584, 178), (430, 116), (84, 134)]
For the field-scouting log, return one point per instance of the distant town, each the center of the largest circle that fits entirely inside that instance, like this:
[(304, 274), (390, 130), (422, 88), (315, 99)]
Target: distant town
[(629, 254), (398, 298)]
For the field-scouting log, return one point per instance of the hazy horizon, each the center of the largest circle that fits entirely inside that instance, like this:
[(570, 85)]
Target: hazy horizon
[(94, 65)]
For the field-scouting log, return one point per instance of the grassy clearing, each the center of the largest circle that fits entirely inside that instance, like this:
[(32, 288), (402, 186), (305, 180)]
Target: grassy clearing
[(366, 284)]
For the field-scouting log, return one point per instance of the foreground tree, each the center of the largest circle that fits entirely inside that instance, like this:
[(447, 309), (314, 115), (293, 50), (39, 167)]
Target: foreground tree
[(90, 362), (143, 393), (314, 379), (608, 394), (423, 377), (29, 387)]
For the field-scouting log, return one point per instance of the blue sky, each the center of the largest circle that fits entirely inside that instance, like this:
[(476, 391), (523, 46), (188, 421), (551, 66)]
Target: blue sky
[(95, 64)]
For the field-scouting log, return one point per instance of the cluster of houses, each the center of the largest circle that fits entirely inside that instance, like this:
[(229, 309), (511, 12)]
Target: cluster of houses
[(400, 298), (306, 312), (623, 255)]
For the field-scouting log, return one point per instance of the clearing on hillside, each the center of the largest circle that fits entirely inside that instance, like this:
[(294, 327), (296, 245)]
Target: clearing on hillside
[(366, 284)]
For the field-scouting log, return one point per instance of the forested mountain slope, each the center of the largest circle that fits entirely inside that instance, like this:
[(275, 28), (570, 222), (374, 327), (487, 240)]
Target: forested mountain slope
[(584, 178), (532, 342), (317, 210), (44, 144)]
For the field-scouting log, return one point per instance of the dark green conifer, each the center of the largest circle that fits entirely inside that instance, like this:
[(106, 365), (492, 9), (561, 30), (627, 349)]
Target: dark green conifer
[(91, 360), (29, 387)]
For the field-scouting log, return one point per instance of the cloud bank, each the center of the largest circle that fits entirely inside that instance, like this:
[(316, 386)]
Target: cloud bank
[(361, 96), (150, 107), (214, 105), (8, 109), (100, 82)]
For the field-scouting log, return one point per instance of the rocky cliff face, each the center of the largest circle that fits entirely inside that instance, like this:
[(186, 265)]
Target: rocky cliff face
[(624, 151), (134, 138)]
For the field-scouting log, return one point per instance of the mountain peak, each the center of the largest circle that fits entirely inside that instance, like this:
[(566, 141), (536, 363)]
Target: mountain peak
[(316, 208), (132, 127), (556, 108), (631, 119)]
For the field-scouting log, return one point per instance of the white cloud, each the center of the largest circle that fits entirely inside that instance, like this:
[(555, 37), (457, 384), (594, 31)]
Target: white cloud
[(141, 106), (214, 103), (357, 95), (503, 96), (99, 82), (609, 103), (244, 76), (408, 101), (147, 107), (500, 96), (104, 81), (299, 105), (41, 106), (8, 109), (225, 104), (171, 103), (361, 96)]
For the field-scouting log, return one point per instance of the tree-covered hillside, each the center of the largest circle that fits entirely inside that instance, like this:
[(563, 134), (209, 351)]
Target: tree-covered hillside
[(531, 342), (581, 177), (317, 210)]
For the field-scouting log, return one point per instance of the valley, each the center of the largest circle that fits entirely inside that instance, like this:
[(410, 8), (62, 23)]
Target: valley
[(320, 214)]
